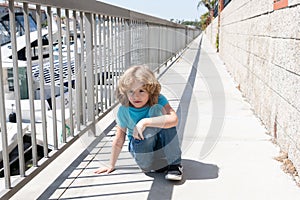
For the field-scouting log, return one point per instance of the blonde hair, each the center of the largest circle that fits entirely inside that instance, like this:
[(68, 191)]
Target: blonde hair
[(143, 75)]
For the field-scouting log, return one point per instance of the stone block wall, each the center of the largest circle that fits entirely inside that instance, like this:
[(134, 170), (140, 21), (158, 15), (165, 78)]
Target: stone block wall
[(211, 32), (261, 49)]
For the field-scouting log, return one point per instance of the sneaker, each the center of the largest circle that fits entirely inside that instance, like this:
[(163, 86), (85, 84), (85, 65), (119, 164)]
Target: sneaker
[(174, 173), (162, 170)]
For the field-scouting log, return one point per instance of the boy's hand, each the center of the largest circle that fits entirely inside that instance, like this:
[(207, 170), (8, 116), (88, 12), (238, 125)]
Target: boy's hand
[(101, 170), (139, 129)]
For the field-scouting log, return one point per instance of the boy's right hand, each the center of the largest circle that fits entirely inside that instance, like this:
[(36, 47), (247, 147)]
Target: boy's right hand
[(101, 170)]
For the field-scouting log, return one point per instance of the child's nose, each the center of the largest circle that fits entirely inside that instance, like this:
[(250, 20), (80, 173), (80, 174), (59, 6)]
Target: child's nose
[(135, 95)]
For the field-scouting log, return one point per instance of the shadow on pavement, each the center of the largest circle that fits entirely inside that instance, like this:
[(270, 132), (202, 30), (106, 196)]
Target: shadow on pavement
[(193, 170)]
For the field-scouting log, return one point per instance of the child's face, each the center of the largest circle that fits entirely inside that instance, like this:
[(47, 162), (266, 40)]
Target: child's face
[(137, 96)]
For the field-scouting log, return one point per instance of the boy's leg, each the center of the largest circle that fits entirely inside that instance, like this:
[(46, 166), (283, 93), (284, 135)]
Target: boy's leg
[(143, 150), (170, 145), (168, 139)]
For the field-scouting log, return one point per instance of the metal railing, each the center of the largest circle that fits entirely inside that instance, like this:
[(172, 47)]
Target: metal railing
[(59, 78)]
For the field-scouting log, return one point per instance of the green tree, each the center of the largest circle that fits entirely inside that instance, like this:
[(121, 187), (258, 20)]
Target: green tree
[(209, 4), (206, 18)]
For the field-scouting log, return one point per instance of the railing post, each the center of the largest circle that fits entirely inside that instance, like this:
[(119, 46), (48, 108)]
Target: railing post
[(159, 49), (78, 79), (30, 86), (127, 43), (96, 61), (147, 43), (68, 43), (42, 80), (101, 58), (5, 153), (186, 36), (90, 69), (110, 55), (61, 78), (53, 98), (17, 88), (82, 67)]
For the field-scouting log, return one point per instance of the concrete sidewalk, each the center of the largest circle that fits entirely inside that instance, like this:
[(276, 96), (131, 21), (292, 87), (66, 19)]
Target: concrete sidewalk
[(226, 151)]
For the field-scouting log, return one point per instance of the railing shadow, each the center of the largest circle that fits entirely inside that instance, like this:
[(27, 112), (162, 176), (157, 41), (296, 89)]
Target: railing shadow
[(186, 97), (74, 165)]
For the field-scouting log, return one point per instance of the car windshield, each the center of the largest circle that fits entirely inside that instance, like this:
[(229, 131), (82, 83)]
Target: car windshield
[(20, 28)]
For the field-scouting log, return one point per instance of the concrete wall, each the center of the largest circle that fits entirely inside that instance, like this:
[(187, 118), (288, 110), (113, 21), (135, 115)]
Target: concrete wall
[(261, 48), (211, 31)]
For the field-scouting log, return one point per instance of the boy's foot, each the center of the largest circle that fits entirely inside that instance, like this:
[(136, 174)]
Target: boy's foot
[(174, 173), (162, 170)]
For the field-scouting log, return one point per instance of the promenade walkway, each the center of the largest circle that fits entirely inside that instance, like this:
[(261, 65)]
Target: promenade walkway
[(227, 153)]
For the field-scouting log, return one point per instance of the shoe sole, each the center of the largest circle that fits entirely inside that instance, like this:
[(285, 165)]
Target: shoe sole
[(173, 177)]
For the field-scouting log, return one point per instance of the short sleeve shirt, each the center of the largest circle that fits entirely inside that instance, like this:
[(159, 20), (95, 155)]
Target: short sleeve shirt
[(128, 117)]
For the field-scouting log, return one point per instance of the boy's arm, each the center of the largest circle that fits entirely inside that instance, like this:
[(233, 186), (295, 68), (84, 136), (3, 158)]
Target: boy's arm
[(167, 120), (115, 151)]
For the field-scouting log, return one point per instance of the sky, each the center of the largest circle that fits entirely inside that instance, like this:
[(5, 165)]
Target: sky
[(167, 9)]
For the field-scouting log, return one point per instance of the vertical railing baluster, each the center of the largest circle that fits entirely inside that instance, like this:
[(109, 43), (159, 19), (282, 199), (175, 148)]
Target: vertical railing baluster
[(96, 61), (123, 53), (141, 47), (167, 50), (114, 57), (174, 45), (148, 43), (70, 74), (118, 51), (145, 46), (30, 85), (17, 88), (52, 78), (122, 44), (61, 78), (127, 42), (109, 58), (101, 60), (138, 42), (78, 78), (90, 70), (42, 80), (83, 71), (133, 42), (159, 48), (105, 58), (5, 152)]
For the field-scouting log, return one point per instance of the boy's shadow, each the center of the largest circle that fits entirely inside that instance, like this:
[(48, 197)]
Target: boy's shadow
[(192, 170)]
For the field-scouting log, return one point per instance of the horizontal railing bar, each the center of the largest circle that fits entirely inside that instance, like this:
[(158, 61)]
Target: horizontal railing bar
[(93, 6)]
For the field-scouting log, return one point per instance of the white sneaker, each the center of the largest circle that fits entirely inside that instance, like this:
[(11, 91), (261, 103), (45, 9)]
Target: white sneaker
[(174, 173)]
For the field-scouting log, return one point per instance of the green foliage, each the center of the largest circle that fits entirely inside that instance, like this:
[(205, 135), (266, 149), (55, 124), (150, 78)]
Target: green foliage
[(209, 4), (206, 18), (204, 21), (192, 23)]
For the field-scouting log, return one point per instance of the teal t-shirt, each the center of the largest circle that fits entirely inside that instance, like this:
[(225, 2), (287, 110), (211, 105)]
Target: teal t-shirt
[(128, 117)]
